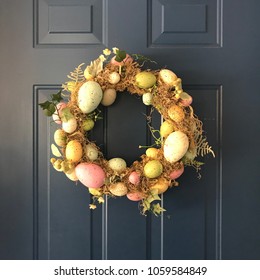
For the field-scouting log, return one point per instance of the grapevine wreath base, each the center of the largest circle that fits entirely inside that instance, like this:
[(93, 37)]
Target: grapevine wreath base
[(178, 142)]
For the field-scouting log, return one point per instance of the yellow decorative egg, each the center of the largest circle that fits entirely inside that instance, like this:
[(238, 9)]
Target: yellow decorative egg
[(95, 192), (118, 189), (176, 113), (60, 137), (145, 80), (153, 169), (152, 153), (73, 151), (72, 175), (88, 124), (161, 185), (166, 128)]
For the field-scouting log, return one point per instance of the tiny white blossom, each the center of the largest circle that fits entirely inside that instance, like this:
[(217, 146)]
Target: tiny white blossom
[(106, 52), (101, 199), (115, 50)]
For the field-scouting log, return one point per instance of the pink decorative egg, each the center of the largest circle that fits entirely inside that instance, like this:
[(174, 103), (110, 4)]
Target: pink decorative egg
[(134, 178), (128, 59), (185, 99), (90, 175), (136, 196), (176, 173), (56, 115)]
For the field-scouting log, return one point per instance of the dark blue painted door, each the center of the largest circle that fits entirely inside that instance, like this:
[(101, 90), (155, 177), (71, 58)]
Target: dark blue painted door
[(214, 46)]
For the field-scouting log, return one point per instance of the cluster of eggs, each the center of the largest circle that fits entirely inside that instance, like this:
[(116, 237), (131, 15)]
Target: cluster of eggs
[(90, 173)]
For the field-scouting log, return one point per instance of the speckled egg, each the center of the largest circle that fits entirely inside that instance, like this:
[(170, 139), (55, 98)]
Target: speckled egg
[(118, 189), (73, 151), (60, 137), (117, 164), (89, 96), (134, 178), (91, 152), (153, 169), (168, 77), (175, 146), (90, 175), (176, 113)]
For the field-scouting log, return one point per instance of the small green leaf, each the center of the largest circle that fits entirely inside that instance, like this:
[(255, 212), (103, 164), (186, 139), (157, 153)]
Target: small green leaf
[(146, 205), (157, 209), (45, 105), (47, 113), (56, 98), (52, 108), (120, 55), (65, 114), (153, 196)]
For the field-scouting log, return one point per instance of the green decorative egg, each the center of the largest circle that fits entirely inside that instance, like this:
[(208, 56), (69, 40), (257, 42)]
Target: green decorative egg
[(153, 169), (145, 80)]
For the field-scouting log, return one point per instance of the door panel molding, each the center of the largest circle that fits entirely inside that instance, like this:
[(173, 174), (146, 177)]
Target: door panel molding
[(168, 26), (71, 22)]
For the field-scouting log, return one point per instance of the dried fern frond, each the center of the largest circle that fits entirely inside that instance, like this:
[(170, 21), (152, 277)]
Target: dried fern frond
[(77, 75), (203, 147)]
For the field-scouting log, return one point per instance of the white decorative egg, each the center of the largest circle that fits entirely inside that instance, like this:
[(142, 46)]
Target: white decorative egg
[(168, 77), (89, 96), (114, 78), (91, 152), (147, 98), (175, 146), (69, 126)]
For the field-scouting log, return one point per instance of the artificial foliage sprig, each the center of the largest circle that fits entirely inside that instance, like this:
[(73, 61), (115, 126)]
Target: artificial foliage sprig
[(49, 106)]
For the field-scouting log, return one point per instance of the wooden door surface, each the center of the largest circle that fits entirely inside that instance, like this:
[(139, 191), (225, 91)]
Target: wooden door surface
[(213, 45)]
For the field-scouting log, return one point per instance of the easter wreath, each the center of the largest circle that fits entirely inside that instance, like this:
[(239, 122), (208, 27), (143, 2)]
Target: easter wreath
[(178, 142)]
